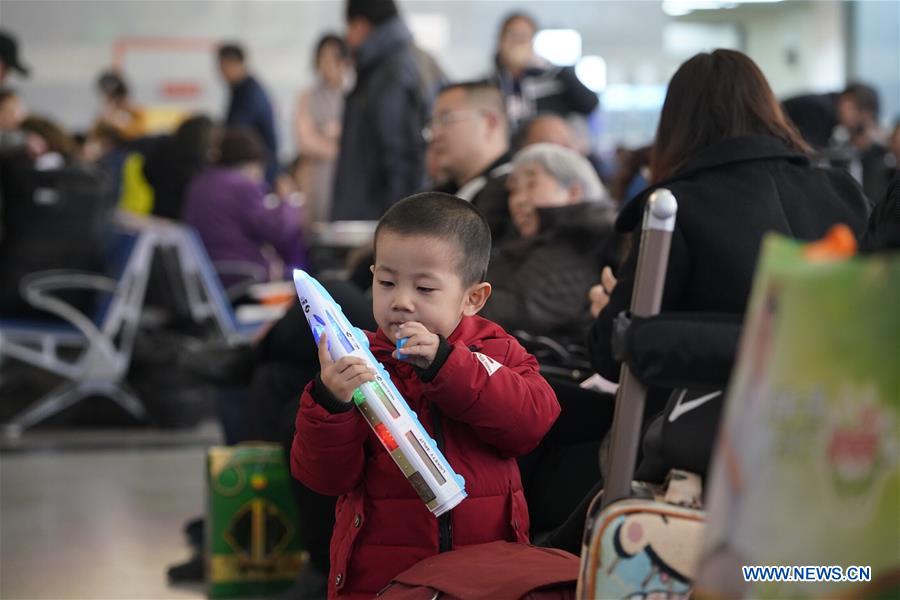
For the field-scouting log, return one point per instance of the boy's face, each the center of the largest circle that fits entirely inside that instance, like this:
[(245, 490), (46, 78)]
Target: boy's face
[(416, 278)]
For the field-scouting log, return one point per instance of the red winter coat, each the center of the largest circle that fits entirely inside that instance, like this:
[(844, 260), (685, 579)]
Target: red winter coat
[(486, 420)]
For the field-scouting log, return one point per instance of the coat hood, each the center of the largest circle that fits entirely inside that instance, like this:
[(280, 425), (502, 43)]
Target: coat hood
[(384, 40)]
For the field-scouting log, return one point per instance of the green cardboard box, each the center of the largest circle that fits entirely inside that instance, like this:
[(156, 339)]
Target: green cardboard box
[(251, 522)]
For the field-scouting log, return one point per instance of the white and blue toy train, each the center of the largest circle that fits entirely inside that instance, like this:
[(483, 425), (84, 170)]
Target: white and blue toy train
[(379, 401)]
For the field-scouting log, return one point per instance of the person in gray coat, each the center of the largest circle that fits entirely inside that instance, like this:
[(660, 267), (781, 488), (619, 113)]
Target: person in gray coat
[(564, 217), (382, 152)]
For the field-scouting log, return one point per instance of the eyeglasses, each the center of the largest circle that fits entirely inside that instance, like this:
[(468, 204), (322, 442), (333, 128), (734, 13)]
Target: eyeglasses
[(448, 118)]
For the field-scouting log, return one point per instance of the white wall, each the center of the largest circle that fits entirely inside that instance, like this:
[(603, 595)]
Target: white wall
[(801, 45), (875, 31)]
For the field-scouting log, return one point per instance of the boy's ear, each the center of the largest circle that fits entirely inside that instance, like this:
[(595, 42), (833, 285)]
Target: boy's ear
[(372, 269), (475, 298)]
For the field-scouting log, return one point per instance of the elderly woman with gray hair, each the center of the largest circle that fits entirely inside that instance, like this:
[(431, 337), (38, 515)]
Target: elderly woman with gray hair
[(564, 217)]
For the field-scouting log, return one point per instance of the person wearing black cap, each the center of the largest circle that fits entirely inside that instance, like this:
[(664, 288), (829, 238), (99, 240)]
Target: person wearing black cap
[(382, 156), (9, 56), (10, 141), (12, 109)]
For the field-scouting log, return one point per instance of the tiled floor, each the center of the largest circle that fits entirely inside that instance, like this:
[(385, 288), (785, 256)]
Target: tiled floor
[(98, 517)]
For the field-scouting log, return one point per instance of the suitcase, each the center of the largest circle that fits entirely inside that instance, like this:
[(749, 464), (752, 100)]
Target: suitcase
[(642, 540)]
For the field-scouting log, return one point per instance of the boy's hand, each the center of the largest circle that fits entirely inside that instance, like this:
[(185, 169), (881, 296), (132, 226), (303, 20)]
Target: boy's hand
[(341, 378), (421, 345)]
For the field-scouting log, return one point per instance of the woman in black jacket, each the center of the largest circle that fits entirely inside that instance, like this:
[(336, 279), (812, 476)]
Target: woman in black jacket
[(738, 169)]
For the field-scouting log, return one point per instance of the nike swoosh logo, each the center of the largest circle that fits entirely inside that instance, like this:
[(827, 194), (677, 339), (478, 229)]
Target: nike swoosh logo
[(682, 407)]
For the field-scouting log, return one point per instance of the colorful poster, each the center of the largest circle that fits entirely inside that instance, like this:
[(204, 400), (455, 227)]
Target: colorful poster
[(807, 470)]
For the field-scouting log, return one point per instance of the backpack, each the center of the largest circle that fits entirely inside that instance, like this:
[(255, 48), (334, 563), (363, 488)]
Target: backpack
[(489, 571)]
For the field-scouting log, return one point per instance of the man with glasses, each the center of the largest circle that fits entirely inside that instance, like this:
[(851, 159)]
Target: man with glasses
[(469, 141)]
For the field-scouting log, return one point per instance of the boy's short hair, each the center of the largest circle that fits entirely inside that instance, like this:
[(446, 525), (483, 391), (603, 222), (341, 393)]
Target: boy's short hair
[(231, 51), (445, 217)]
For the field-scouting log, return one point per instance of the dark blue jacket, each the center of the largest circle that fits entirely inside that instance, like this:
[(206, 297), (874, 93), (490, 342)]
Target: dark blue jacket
[(382, 157), (250, 107)]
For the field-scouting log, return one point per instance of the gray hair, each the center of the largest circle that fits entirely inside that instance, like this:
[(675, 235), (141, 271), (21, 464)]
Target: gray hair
[(566, 166)]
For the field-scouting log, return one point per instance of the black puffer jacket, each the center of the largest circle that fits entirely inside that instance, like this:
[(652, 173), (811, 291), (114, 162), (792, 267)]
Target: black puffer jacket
[(541, 283), (729, 196), (382, 157), (539, 90)]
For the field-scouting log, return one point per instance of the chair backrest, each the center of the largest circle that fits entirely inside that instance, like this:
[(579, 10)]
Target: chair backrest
[(126, 262), (210, 299), (111, 328)]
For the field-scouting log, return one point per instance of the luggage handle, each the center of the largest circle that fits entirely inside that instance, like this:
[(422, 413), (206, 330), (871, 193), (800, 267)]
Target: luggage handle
[(650, 278)]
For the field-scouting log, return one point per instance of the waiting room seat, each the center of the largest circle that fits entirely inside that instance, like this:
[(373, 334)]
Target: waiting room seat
[(207, 297), (92, 353)]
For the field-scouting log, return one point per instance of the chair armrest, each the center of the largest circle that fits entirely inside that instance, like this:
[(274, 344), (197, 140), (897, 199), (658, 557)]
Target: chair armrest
[(251, 273), (549, 349), (37, 289)]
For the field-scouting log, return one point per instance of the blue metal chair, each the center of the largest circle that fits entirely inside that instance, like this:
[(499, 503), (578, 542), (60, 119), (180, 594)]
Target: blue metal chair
[(92, 353), (207, 297)]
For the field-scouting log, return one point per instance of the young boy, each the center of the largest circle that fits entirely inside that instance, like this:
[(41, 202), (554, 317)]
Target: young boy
[(473, 387)]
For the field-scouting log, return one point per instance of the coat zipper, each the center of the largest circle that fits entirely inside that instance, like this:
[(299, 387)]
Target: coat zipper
[(445, 527)]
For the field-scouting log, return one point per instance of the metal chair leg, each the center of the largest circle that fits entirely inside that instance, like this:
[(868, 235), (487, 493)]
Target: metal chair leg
[(54, 402), (64, 396), (128, 400)]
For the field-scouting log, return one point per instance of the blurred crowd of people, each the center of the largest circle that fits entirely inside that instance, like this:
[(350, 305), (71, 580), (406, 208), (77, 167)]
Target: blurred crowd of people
[(382, 122)]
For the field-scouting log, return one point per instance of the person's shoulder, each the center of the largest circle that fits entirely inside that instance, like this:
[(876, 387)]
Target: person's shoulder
[(701, 184), (490, 339), (256, 90), (238, 185), (564, 73), (846, 187), (401, 67), (201, 180)]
